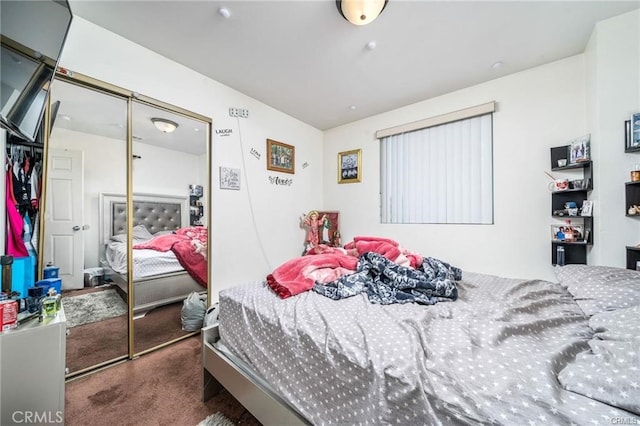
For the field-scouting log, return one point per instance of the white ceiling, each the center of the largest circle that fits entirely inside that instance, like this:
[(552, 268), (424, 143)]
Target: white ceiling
[(301, 57), (93, 112)]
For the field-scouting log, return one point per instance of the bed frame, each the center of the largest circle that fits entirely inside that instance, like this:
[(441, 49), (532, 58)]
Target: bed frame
[(220, 372), (157, 213)]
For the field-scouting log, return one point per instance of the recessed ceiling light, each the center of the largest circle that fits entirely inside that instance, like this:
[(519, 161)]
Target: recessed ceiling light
[(224, 12), (497, 65), (371, 45), (196, 130), (353, 107), (64, 117)]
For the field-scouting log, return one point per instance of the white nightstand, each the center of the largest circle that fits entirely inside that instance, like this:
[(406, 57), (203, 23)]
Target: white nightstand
[(32, 372)]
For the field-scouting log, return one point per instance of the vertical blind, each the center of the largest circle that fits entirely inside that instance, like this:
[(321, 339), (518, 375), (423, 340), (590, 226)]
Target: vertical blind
[(440, 174)]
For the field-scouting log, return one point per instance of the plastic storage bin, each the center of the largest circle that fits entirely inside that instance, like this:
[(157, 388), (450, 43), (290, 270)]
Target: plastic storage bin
[(51, 272), (93, 277), (23, 274), (51, 282)]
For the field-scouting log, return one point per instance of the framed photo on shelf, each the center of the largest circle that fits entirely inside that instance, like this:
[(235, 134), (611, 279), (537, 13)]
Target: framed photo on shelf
[(587, 208), (350, 166), (580, 149), (195, 190), (281, 157), (567, 233)]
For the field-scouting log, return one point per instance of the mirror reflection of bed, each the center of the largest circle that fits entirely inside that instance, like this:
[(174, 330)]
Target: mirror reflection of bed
[(169, 158), (163, 275), (159, 223), (86, 209)]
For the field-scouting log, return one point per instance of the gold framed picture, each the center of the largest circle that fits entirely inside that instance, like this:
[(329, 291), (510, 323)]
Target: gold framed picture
[(281, 157), (350, 166)]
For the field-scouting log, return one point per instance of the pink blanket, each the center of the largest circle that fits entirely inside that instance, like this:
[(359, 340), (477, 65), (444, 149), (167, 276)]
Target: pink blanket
[(386, 247), (324, 264), (190, 247), (300, 274)]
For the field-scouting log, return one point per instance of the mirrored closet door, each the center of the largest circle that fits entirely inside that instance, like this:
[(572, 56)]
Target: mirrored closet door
[(86, 171), (170, 176), (125, 219)]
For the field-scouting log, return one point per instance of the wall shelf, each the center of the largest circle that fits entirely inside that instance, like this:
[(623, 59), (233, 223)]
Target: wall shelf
[(575, 251), (631, 197), (633, 256)]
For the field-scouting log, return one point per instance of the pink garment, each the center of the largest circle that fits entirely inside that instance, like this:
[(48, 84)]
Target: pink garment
[(15, 224)]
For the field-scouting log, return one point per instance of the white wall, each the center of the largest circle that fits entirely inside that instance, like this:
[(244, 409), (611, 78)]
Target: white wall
[(164, 171), (255, 229), (613, 94), (236, 243), (536, 109)]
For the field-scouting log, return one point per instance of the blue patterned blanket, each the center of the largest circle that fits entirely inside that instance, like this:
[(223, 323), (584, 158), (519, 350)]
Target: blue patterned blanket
[(386, 282)]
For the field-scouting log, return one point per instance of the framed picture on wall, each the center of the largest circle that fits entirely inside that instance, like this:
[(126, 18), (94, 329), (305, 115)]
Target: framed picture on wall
[(229, 178), (350, 166), (281, 157), (635, 131)]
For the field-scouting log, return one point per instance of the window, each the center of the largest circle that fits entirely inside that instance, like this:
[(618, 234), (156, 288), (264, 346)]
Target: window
[(438, 174)]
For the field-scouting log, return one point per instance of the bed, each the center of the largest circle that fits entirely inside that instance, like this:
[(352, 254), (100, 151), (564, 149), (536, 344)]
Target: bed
[(160, 277), (506, 351)]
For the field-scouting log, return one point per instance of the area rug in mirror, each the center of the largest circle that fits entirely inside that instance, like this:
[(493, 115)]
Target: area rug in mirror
[(93, 307)]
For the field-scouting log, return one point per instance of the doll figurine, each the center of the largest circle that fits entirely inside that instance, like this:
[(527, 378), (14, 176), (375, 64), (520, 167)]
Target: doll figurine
[(313, 222)]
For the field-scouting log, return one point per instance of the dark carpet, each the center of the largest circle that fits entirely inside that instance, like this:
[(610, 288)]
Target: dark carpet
[(91, 344), (163, 387)]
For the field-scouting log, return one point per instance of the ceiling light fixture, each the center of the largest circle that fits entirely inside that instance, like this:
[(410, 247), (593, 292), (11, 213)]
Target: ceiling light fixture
[(360, 12), (164, 125)]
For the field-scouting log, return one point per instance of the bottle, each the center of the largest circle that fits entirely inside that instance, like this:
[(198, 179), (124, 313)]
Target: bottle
[(50, 303), (7, 265), (560, 256)]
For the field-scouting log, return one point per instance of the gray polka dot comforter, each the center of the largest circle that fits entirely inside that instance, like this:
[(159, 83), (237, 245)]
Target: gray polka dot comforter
[(492, 356)]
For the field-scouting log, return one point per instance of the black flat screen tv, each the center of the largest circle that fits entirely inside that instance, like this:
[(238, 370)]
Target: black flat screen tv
[(32, 34)]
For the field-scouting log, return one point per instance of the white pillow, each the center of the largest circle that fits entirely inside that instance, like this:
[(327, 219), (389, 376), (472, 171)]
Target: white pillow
[(140, 234)]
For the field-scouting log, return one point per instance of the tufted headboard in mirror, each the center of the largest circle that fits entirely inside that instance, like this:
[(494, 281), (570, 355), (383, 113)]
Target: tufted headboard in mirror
[(156, 212), (154, 215)]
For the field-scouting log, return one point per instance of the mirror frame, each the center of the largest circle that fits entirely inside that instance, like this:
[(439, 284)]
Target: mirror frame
[(130, 96)]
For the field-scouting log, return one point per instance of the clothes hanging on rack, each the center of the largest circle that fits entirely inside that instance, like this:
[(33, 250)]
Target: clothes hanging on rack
[(22, 181), (15, 244)]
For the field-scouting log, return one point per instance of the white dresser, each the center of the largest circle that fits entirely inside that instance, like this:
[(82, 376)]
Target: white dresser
[(32, 372)]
